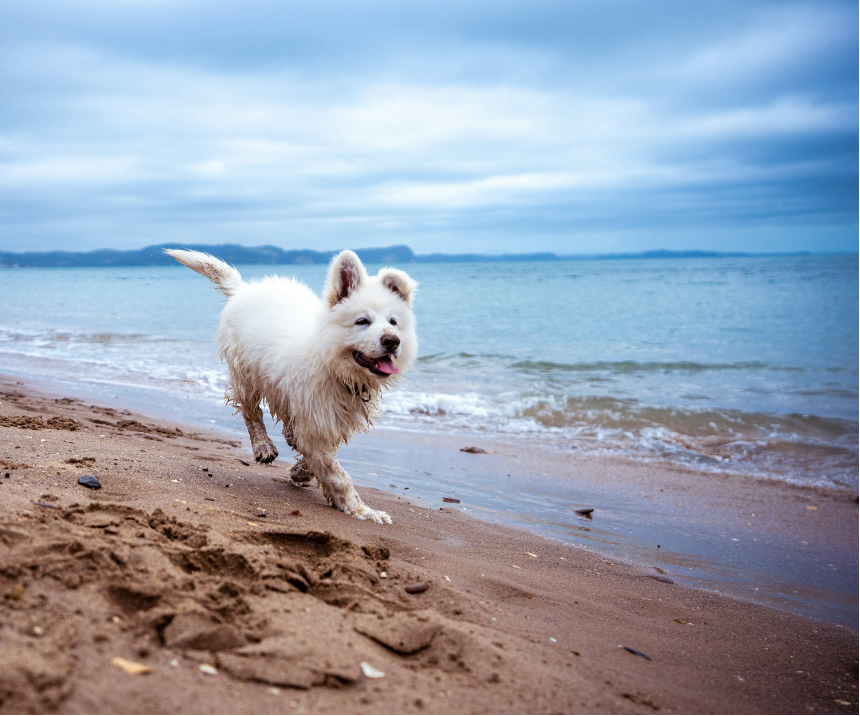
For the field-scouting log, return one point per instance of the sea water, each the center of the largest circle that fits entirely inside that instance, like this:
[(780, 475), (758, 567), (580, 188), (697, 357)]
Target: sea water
[(745, 365)]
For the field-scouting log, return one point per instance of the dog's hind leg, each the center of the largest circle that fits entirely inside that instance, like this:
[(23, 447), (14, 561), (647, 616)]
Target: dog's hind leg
[(264, 448), (301, 474)]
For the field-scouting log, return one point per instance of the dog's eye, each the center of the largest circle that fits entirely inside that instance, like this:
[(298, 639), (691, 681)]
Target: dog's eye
[(392, 321), (362, 322)]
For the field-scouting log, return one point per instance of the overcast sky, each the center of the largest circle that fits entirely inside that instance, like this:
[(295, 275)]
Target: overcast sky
[(498, 126)]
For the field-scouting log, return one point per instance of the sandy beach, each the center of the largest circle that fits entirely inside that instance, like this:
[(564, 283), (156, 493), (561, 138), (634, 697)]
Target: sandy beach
[(194, 582)]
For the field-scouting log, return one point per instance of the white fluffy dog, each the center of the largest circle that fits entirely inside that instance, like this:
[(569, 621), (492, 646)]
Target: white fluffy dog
[(320, 364)]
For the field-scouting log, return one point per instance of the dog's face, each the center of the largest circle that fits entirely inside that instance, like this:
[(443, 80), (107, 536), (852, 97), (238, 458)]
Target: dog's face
[(369, 330)]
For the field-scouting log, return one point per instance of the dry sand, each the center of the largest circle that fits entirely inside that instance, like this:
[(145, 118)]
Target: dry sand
[(170, 568)]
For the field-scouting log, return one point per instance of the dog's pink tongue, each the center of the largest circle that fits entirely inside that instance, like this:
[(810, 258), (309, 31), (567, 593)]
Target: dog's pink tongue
[(386, 365)]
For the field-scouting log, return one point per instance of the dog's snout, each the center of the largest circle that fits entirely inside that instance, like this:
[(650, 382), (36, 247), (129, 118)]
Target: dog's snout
[(390, 341)]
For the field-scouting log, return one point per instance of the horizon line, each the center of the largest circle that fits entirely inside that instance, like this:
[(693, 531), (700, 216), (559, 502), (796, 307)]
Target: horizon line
[(400, 253)]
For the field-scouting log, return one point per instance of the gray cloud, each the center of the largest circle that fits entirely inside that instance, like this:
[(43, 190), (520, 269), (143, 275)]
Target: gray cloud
[(449, 126)]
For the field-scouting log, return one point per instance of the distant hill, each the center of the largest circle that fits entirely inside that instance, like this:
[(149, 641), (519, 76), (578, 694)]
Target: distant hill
[(272, 255), (231, 253)]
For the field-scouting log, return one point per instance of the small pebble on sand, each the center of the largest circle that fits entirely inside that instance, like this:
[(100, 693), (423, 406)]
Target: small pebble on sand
[(15, 593), (90, 481), (208, 669), (634, 652), (417, 588)]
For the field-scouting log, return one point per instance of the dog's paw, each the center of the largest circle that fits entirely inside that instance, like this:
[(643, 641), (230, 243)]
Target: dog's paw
[(265, 451), (301, 475), (378, 516)]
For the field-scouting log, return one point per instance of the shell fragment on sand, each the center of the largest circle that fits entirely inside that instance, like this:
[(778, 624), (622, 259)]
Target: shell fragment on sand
[(371, 672), (451, 499), (130, 667)]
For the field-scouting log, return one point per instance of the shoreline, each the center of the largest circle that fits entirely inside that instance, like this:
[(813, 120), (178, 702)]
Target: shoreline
[(793, 548), (166, 565)]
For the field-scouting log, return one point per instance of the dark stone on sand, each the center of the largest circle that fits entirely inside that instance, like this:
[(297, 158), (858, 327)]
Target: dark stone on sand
[(665, 580), (451, 499), (90, 481), (245, 462), (8, 475), (636, 653), (586, 511), (417, 588), (193, 630), (474, 450)]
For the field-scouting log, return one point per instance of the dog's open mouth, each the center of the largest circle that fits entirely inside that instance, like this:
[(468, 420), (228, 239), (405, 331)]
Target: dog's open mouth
[(378, 366)]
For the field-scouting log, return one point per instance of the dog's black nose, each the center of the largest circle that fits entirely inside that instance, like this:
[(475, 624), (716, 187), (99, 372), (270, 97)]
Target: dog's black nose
[(389, 342)]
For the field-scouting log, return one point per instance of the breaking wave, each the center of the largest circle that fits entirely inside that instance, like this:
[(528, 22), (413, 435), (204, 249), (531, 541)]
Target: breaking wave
[(804, 449)]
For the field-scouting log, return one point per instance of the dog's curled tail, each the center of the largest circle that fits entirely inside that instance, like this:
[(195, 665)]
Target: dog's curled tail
[(226, 278)]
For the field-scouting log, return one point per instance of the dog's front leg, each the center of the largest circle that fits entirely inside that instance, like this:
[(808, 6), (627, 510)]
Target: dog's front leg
[(264, 448), (338, 488)]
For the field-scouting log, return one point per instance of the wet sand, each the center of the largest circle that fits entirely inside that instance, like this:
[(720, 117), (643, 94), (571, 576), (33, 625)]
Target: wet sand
[(781, 545), (173, 567)]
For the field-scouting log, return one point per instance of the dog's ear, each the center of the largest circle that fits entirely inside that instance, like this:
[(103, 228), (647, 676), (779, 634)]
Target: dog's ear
[(345, 274), (399, 283)]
